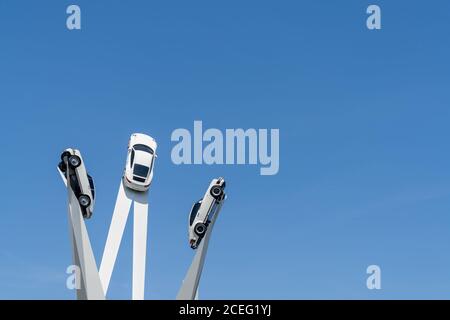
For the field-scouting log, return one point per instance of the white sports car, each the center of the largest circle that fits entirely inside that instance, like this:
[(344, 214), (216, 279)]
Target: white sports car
[(80, 181), (204, 210), (138, 173)]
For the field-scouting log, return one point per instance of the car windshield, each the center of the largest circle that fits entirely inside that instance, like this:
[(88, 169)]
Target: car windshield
[(141, 147), (140, 170)]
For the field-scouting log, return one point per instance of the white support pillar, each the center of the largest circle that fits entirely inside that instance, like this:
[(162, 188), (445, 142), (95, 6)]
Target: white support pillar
[(89, 272), (139, 245), (116, 229), (125, 199), (189, 287), (82, 253)]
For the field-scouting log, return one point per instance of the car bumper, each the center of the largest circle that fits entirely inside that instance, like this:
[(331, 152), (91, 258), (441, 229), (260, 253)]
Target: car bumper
[(194, 240), (134, 186), (87, 214), (193, 244)]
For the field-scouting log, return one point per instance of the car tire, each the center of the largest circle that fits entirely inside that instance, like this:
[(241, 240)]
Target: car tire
[(74, 161), (216, 192), (200, 229), (65, 154), (84, 201)]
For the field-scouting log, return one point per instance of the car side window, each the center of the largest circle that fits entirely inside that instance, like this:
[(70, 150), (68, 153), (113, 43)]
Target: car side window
[(132, 158), (194, 212), (91, 185), (151, 165)]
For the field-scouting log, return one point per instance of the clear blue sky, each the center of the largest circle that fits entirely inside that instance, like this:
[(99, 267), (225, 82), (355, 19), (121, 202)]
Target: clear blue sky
[(364, 127)]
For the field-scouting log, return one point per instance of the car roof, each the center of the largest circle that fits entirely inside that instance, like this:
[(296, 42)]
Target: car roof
[(142, 158)]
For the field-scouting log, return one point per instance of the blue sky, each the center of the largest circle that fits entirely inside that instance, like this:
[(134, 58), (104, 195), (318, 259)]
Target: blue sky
[(364, 156)]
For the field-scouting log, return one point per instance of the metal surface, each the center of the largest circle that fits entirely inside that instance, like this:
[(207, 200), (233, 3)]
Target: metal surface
[(83, 256), (125, 198), (189, 287)]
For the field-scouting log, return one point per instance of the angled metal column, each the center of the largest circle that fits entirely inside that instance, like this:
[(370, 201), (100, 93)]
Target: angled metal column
[(139, 244), (81, 291), (116, 229), (83, 255), (189, 287), (125, 199)]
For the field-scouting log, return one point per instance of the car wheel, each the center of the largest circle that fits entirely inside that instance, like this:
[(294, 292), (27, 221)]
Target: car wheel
[(75, 161), (216, 192), (65, 154), (200, 229), (84, 200)]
